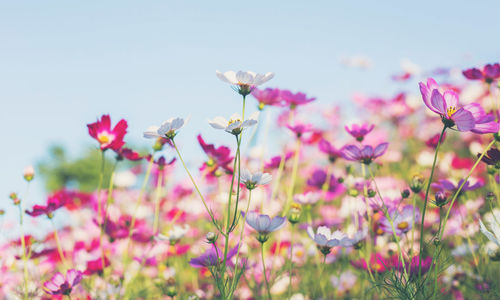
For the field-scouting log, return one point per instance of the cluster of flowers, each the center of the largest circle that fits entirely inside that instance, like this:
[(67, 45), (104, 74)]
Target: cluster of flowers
[(340, 211)]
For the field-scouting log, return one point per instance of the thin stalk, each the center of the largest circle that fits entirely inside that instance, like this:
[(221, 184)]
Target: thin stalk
[(58, 244), (434, 260), (99, 209), (23, 245), (156, 221), (264, 269), (425, 203), (290, 258), (295, 168)]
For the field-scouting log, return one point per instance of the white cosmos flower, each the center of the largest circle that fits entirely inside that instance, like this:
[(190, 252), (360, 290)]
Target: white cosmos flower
[(257, 178), (168, 129), (174, 234), (327, 239), (241, 78), (234, 125), (493, 236), (308, 198)]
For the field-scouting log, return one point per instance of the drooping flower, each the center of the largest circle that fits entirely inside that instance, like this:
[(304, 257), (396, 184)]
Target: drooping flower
[(402, 220), (127, 153), (54, 202), (470, 117), (251, 180), (365, 155), (359, 131), (299, 129), (219, 157), (213, 257), (244, 82), (60, 285), (492, 157), (268, 96), (488, 74), (235, 125), (168, 129), (108, 138), (293, 100), (327, 148), (264, 225), (325, 239)]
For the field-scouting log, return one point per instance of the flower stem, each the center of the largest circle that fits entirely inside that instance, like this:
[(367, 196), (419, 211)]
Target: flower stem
[(58, 244), (23, 245), (156, 221), (100, 208), (295, 168), (425, 203), (264, 269), (290, 258)]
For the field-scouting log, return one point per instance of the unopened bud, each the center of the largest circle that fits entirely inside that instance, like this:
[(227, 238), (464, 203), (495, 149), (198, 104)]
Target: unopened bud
[(353, 192), (405, 193), (490, 197), (29, 173), (371, 193), (171, 290), (294, 214), (211, 237), (440, 199), (417, 183), (340, 180)]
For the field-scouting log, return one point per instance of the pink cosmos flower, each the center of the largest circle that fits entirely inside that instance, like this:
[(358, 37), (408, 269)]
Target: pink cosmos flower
[(268, 96), (470, 117), (488, 74), (95, 266), (58, 285), (293, 100), (108, 138), (219, 157), (275, 161), (327, 148), (53, 203), (365, 155), (299, 129), (126, 153), (359, 131)]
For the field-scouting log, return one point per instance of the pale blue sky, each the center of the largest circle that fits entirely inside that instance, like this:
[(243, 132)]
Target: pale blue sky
[(64, 63)]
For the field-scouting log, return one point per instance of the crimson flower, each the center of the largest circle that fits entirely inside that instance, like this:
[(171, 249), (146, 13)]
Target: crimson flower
[(108, 138), (54, 202), (127, 153), (95, 266), (219, 157)]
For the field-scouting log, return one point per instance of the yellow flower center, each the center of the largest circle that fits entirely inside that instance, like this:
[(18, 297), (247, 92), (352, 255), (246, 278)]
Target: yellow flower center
[(451, 110), (403, 225), (103, 138), (233, 121)]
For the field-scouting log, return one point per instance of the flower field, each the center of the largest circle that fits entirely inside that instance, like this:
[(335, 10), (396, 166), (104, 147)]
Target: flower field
[(399, 201)]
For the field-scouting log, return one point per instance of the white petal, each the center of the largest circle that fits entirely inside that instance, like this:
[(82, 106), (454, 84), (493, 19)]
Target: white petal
[(218, 123), (152, 132)]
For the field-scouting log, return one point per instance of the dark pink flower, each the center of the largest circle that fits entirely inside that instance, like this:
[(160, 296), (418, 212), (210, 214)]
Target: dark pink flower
[(433, 141), (365, 155), (414, 266), (293, 100), (327, 148), (378, 263), (275, 161), (470, 117), (59, 285), (299, 129), (127, 153), (108, 138), (219, 157), (268, 96), (54, 202), (359, 131), (488, 74), (95, 266)]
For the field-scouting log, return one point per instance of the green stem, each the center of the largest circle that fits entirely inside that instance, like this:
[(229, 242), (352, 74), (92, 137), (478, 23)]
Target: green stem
[(295, 168), (434, 260), (58, 244), (291, 262), (99, 208), (425, 203), (264, 269), (23, 245), (156, 221), (110, 192)]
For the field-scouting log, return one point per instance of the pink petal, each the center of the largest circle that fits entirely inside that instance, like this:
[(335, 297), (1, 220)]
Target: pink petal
[(464, 120), (438, 102)]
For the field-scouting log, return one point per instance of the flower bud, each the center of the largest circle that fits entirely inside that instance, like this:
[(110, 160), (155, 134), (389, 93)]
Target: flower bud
[(340, 180), (2, 212), (14, 198), (171, 290), (29, 173), (417, 183), (490, 196), (440, 199), (353, 192), (405, 193), (371, 193), (294, 214), (492, 170), (211, 237)]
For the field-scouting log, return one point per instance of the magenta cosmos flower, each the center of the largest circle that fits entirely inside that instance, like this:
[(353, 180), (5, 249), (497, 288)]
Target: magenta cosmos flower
[(268, 96), (219, 157), (488, 74), (108, 138), (299, 129), (327, 148), (293, 100), (58, 285), (470, 117), (364, 155), (54, 202), (359, 131)]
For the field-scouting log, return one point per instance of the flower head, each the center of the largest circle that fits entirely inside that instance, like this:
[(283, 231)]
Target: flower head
[(488, 74), (365, 155), (264, 225), (327, 148), (403, 221), (359, 131), (59, 285), (308, 198), (268, 96), (54, 202), (325, 239), (299, 129), (174, 234), (492, 157), (251, 180), (219, 157), (235, 124), (108, 138), (168, 129), (127, 153), (212, 257), (244, 82), (293, 100)]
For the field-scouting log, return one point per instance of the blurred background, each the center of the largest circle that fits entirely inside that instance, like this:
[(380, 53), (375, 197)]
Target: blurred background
[(65, 63)]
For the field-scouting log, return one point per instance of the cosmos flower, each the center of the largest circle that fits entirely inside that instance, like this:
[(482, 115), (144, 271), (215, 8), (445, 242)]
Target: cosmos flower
[(470, 117), (403, 221), (251, 180), (359, 131), (445, 185), (213, 257), (293, 100), (168, 129), (488, 74), (59, 285), (492, 157), (325, 239), (263, 224), (95, 266), (268, 97), (244, 82), (327, 148), (275, 161), (494, 234), (299, 128), (174, 234), (378, 263), (318, 179), (307, 198), (433, 141), (54, 202), (108, 138), (127, 153), (365, 155), (219, 157), (413, 266), (235, 125)]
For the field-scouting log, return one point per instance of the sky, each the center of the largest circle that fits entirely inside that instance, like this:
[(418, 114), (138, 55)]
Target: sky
[(65, 63)]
